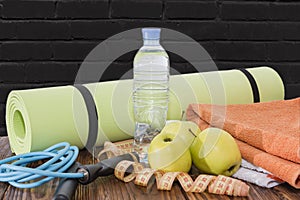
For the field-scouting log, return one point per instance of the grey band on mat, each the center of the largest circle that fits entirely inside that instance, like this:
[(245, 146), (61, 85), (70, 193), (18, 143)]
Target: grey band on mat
[(253, 84), (92, 115)]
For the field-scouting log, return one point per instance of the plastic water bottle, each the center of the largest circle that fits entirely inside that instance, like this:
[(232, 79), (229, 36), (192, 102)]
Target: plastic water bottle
[(150, 90)]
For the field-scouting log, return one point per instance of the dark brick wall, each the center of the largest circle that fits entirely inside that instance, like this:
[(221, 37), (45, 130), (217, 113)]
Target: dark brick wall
[(42, 42)]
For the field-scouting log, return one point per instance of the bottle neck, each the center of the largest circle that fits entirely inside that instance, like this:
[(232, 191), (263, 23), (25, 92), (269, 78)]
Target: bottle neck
[(151, 42)]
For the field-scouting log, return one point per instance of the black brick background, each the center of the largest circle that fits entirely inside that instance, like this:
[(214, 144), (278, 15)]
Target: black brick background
[(43, 42)]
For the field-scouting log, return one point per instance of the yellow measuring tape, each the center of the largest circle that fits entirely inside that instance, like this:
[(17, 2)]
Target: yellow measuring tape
[(164, 180)]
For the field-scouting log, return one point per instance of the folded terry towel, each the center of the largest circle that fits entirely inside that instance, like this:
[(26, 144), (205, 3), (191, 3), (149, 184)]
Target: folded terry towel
[(283, 169), (271, 127)]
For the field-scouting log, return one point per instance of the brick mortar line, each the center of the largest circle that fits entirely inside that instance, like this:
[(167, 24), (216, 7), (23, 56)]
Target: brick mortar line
[(163, 13), (176, 20), (143, 20), (58, 62), (109, 9), (90, 41), (24, 62), (55, 8), (267, 60)]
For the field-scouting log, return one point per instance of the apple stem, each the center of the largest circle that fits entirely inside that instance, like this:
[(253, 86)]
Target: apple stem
[(192, 132), (182, 114)]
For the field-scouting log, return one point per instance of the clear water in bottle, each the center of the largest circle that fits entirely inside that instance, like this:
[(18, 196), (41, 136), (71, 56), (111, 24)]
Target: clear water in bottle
[(150, 91)]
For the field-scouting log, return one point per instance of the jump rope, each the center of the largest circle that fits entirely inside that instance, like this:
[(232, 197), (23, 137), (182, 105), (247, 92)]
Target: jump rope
[(61, 164)]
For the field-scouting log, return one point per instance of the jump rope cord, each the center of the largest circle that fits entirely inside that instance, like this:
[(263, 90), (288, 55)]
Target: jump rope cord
[(61, 156)]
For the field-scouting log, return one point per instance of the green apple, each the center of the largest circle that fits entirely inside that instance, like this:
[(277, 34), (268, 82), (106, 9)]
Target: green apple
[(169, 150), (214, 151)]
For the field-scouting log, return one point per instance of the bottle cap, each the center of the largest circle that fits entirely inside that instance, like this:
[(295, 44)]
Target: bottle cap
[(151, 33)]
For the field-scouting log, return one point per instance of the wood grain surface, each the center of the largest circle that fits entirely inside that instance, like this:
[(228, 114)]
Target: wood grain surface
[(111, 188)]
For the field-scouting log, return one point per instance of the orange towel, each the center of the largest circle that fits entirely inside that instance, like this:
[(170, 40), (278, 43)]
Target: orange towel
[(281, 168), (273, 127)]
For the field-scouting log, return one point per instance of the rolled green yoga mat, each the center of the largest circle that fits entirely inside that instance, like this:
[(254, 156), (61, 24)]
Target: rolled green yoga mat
[(38, 118)]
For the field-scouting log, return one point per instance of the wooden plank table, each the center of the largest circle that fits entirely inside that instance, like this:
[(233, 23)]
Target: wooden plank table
[(111, 188)]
